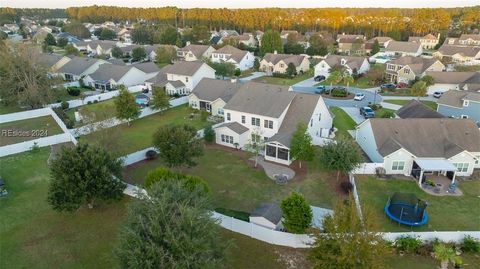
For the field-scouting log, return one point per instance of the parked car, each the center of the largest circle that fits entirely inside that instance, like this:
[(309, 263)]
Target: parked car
[(319, 78), (145, 90), (359, 96), (437, 94), (402, 85), (367, 112), (389, 86), (320, 89)]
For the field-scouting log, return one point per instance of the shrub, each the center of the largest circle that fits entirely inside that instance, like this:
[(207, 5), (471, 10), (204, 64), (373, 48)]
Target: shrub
[(89, 102), (238, 72), (64, 117), (470, 244), (151, 154), (73, 91), (234, 213), (35, 147), (203, 115), (408, 244), (64, 105), (339, 92), (346, 186), (280, 75), (163, 174), (209, 134), (375, 106), (95, 101), (388, 114)]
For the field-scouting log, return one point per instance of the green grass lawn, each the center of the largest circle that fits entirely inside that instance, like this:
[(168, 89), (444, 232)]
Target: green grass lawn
[(445, 213), (238, 186), (397, 92), (430, 104), (342, 122), (62, 94), (285, 81), (139, 134), (94, 112), (361, 83), (6, 109), (379, 113), (29, 129)]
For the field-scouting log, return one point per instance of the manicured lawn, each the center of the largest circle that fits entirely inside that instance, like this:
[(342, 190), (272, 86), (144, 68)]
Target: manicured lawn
[(397, 92), (94, 112), (29, 129), (6, 109), (379, 113), (342, 122), (285, 81), (361, 83), (445, 213), (246, 73), (139, 134), (236, 185), (421, 262), (430, 104), (62, 94), (467, 68)]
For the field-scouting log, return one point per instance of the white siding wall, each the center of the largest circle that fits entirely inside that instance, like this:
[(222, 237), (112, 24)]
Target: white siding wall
[(322, 69), (204, 71), (438, 87), (242, 139), (365, 138), (320, 128), (402, 156), (464, 157), (133, 77)]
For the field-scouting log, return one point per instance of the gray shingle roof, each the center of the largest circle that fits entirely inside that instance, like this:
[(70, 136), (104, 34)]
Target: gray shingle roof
[(234, 126), (49, 59), (455, 98), (452, 77), (183, 68), (261, 99), (211, 89), (435, 138), (269, 211), (77, 65), (416, 109), (147, 67), (197, 50), (403, 46), (351, 61), (105, 72), (287, 58), (468, 51), (234, 53), (417, 64)]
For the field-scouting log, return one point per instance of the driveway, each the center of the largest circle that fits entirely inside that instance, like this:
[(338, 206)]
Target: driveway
[(254, 75), (354, 113), (306, 83), (370, 96)]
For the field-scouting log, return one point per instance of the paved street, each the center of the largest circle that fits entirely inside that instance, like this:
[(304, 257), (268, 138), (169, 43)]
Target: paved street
[(306, 83), (354, 113), (370, 97)]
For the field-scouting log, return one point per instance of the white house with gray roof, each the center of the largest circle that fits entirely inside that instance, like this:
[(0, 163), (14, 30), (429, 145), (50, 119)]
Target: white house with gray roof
[(242, 59), (402, 48), (445, 81), (460, 105), (79, 67), (351, 65), (269, 114), (195, 52), (211, 95)]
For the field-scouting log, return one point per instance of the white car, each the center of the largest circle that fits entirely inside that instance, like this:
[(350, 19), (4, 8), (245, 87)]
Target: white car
[(359, 96), (437, 94)]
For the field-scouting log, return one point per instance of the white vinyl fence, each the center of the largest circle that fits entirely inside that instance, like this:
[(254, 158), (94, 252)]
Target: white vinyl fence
[(448, 236), (367, 168), (355, 194), (66, 136)]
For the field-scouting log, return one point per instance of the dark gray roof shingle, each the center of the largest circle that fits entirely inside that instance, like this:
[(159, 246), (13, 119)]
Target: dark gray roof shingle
[(211, 89), (416, 109), (270, 211)]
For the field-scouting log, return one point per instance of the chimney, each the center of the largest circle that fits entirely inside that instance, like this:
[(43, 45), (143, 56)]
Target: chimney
[(275, 52), (233, 79)]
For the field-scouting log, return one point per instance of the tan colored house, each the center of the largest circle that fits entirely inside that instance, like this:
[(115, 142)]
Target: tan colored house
[(428, 41), (382, 40), (53, 61), (195, 52), (278, 63), (458, 54), (352, 46), (408, 68)]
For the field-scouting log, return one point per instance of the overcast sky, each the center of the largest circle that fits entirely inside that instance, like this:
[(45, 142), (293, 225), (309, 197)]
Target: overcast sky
[(239, 3)]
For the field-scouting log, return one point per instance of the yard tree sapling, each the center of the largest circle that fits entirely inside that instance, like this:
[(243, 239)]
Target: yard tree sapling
[(117, 52), (209, 134), (138, 54), (419, 89), (125, 106), (291, 70), (375, 47), (341, 155), (301, 148), (271, 42), (256, 64), (178, 145), (255, 144), (172, 227), (349, 241), (297, 213), (83, 174), (160, 99), (334, 78)]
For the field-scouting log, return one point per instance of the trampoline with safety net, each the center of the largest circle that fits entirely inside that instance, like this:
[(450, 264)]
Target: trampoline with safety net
[(406, 209)]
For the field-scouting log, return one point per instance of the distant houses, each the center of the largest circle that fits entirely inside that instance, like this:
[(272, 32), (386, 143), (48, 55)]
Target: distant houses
[(428, 41), (278, 63), (242, 59), (195, 52), (349, 64), (401, 48), (460, 105), (409, 68)]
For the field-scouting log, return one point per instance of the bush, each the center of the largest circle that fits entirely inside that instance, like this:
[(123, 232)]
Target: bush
[(339, 92), (234, 213), (280, 75), (151, 154), (346, 186), (209, 134), (65, 105), (163, 174), (408, 244), (89, 102), (375, 106), (388, 114), (73, 91), (203, 115), (238, 72), (64, 117), (95, 101), (470, 244)]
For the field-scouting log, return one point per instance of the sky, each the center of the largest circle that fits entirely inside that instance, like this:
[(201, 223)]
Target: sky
[(238, 3)]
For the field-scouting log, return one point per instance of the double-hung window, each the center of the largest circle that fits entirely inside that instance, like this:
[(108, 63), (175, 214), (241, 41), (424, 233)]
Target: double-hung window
[(268, 124), (398, 166), (256, 121), (461, 167)]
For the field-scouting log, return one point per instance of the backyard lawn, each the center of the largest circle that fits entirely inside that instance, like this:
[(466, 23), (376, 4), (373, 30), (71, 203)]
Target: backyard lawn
[(430, 104), (342, 121), (397, 92), (361, 83), (6, 109), (139, 134), (285, 81), (236, 185), (445, 213), (29, 129), (96, 111)]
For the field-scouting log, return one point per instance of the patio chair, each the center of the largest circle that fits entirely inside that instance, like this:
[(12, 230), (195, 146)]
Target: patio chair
[(452, 187)]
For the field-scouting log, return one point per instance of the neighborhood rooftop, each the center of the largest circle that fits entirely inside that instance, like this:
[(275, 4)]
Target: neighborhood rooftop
[(403, 46), (105, 72), (351, 61), (77, 65), (211, 89), (274, 58), (269, 211), (416, 109), (183, 68), (455, 98)]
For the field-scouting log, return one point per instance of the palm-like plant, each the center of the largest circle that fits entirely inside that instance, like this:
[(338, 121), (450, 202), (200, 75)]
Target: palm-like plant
[(347, 79), (444, 254), (334, 78)]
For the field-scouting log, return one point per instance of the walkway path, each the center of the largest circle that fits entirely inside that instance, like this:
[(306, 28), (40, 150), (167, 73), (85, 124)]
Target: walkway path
[(426, 98), (390, 106), (309, 82), (272, 169), (354, 113), (254, 75)]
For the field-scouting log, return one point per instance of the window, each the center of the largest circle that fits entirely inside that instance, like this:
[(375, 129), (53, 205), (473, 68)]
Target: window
[(228, 116), (268, 124), (186, 79), (461, 167), (243, 119), (319, 116), (282, 65), (271, 151), (220, 111), (464, 116), (406, 71), (256, 138), (255, 121), (227, 139), (311, 122), (398, 165), (283, 154)]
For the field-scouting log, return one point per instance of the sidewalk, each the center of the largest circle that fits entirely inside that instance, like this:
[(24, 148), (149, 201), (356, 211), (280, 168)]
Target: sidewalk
[(390, 106)]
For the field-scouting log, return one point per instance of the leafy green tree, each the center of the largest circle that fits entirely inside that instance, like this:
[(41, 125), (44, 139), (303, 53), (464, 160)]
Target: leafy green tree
[(71, 50), (3, 35), (201, 34), (347, 79), (349, 241), (160, 99), (375, 48), (429, 80), (256, 64), (138, 54), (165, 55), (419, 89), (291, 70), (83, 174), (271, 42), (125, 106), (301, 148), (160, 175), (341, 155), (209, 134), (117, 52), (141, 35), (77, 29), (187, 238), (255, 144), (169, 36), (224, 69), (107, 34), (50, 40), (297, 213), (334, 78), (292, 46), (62, 42), (178, 145)]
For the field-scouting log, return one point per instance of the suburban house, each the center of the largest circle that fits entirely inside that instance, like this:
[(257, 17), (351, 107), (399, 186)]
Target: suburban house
[(151, 50), (53, 61), (351, 65), (80, 45), (445, 81), (108, 76), (428, 41), (353, 46), (458, 54), (102, 47), (211, 95), (268, 215), (416, 109), (461, 105), (408, 68), (402, 48), (419, 146), (242, 59), (299, 39), (79, 67), (246, 39), (278, 63), (268, 113), (181, 77), (195, 52), (464, 39), (347, 36), (285, 33), (382, 40)]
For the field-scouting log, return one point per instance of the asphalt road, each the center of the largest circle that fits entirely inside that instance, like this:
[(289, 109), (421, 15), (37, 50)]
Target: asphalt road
[(370, 97)]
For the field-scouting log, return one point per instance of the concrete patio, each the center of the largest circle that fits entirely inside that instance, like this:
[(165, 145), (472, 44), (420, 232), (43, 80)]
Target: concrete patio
[(441, 186), (272, 169)]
